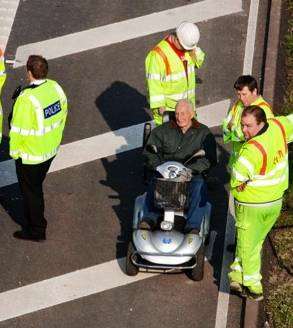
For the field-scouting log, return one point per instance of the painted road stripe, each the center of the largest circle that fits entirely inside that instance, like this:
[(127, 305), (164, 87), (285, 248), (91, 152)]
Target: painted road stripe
[(250, 37), (110, 143), (8, 10), (65, 288), (224, 291), (127, 30)]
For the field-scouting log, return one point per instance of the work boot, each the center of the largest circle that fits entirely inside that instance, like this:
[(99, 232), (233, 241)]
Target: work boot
[(246, 293), (235, 287)]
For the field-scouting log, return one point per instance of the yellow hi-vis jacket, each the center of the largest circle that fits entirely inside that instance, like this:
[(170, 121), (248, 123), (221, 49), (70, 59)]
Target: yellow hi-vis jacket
[(2, 81), (37, 124), (234, 116), (263, 164), (166, 78)]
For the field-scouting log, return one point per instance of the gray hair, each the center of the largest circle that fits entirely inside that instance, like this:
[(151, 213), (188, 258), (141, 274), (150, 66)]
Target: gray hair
[(187, 103)]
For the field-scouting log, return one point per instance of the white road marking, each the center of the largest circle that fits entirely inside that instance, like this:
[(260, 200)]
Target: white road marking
[(127, 30), (223, 297), (109, 143), (224, 290), (65, 288), (250, 37), (7, 13)]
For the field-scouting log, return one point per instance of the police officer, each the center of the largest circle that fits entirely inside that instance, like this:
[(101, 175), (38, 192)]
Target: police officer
[(37, 124), (170, 70), (258, 181), (2, 81), (248, 95)]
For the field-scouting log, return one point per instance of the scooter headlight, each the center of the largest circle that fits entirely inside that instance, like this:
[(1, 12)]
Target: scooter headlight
[(166, 225)]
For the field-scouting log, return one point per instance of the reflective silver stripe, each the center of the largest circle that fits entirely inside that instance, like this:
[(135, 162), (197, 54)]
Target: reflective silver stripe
[(175, 97), (290, 117), (275, 202), (190, 69), (156, 77), (253, 278), (228, 118), (157, 98), (47, 129), (236, 268), (39, 111), (247, 164), (33, 158), (239, 176), (278, 167), (60, 93), (2, 73), (268, 182), (183, 95), (174, 77), (168, 78)]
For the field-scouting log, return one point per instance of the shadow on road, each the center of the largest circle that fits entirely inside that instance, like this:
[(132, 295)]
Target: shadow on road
[(121, 106)]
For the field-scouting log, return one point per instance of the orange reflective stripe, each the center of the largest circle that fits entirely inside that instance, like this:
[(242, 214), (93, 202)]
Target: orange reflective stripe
[(264, 103), (264, 156), (283, 132), (160, 52)]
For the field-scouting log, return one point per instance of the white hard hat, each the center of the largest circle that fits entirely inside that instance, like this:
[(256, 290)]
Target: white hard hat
[(188, 35)]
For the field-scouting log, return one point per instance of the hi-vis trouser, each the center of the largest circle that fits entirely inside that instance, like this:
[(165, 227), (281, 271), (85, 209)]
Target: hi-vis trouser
[(253, 223)]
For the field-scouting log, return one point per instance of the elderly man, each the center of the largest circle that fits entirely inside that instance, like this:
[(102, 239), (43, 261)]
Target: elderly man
[(178, 140), (170, 70)]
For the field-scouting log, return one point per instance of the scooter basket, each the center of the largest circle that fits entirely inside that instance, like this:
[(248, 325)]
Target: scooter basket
[(171, 194)]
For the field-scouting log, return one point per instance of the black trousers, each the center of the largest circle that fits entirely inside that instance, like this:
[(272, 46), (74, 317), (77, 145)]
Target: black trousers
[(30, 179)]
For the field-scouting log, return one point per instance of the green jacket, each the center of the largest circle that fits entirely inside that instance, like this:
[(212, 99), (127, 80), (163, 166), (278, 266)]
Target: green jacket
[(173, 145)]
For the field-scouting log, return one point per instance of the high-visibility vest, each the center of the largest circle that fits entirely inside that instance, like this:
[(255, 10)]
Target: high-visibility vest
[(263, 164), (166, 78), (37, 124), (2, 81), (234, 116)]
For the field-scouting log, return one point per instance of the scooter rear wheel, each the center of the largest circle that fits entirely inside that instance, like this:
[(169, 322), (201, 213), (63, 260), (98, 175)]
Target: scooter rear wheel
[(197, 273), (131, 269)]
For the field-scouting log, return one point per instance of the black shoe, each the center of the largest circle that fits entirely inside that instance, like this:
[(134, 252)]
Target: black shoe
[(146, 224), (246, 293), (231, 248), (191, 231), (24, 235)]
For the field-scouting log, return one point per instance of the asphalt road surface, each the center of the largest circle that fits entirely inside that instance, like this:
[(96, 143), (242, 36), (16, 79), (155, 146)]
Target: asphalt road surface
[(76, 279)]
